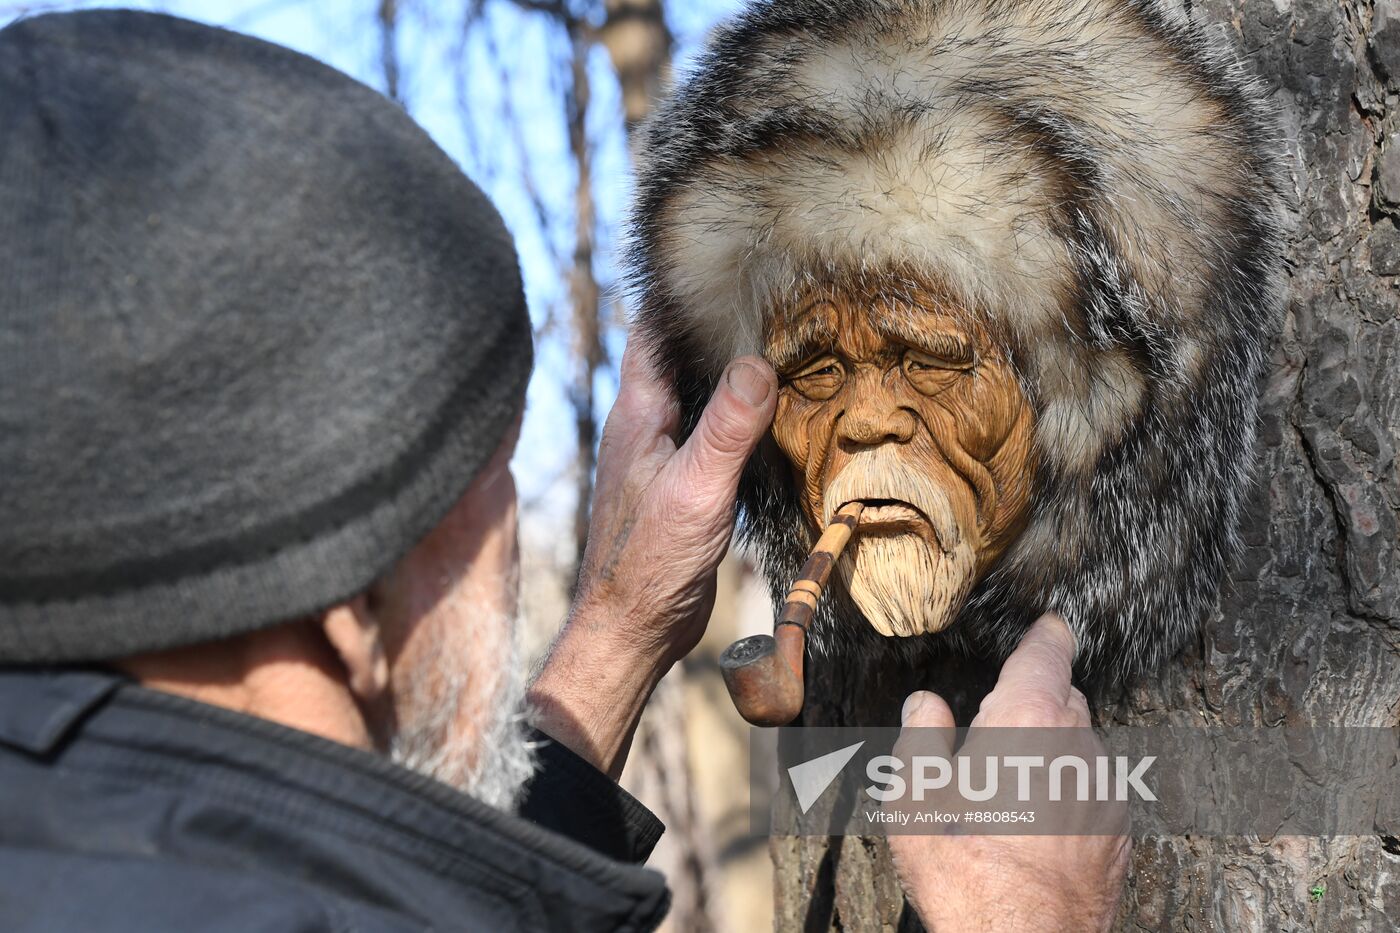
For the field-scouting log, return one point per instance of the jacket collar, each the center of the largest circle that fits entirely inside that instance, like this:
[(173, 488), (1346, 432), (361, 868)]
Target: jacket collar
[(37, 710), (95, 717)]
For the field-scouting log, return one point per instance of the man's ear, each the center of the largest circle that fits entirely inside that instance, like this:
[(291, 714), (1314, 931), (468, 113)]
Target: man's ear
[(354, 633)]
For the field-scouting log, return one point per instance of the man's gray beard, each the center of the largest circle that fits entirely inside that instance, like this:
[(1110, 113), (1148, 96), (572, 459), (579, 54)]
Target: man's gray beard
[(492, 761)]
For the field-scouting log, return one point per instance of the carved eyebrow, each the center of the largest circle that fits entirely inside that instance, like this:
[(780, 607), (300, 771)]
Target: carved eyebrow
[(794, 345), (953, 347), (945, 346)]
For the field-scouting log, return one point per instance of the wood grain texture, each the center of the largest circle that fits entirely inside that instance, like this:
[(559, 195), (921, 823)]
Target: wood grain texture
[(897, 395)]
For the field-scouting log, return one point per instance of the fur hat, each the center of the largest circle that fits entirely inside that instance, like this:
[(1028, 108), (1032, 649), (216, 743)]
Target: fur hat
[(1098, 180)]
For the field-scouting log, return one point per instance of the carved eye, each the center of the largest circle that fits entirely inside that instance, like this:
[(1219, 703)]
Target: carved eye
[(930, 372), (820, 379)]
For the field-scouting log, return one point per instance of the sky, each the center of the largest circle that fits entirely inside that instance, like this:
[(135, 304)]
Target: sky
[(344, 34)]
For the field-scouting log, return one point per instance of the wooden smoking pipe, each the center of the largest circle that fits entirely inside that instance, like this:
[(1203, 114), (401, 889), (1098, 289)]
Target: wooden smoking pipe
[(764, 672)]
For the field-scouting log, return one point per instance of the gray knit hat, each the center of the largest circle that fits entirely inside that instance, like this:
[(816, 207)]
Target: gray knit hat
[(257, 335)]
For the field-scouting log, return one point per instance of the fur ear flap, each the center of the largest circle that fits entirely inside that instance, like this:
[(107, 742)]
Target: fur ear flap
[(1099, 179)]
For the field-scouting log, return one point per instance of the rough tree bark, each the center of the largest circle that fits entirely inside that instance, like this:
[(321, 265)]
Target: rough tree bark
[(1308, 630)]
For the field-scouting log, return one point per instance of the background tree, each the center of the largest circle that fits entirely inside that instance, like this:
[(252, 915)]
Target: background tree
[(637, 41)]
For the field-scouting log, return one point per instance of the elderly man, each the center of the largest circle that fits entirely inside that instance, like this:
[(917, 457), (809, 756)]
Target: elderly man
[(263, 353)]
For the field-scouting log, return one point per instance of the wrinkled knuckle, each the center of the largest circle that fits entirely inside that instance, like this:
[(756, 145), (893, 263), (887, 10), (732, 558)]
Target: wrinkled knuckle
[(635, 489), (996, 709), (1078, 707), (1024, 707), (990, 707), (1035, 709), (1049, 657), (724, 432), (1044, 710), (699, 516)]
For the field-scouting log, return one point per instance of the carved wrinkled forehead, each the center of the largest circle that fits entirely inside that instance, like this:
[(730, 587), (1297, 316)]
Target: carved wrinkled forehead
[(864, 315)]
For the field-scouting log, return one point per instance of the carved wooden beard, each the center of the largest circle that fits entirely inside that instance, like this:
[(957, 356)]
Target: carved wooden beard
[(902, 403)]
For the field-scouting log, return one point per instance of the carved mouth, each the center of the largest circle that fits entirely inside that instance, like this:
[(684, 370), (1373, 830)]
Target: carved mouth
[(891, 516)]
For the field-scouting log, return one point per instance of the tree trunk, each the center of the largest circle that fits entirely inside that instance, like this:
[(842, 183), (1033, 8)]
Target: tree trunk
[(639, 43), (660, 770), (1308, 629), (583, 285)]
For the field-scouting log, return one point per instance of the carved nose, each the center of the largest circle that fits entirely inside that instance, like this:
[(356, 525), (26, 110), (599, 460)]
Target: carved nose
[(868, 425)]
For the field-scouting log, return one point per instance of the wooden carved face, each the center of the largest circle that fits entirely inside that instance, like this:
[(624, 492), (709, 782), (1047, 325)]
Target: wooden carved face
[(905, 405)]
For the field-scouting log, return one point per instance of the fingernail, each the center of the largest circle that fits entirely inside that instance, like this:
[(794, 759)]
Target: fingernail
[(748, 383), (912, 704)]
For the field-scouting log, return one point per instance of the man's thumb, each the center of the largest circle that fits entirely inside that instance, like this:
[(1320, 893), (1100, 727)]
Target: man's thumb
[(732, 424), (925, 708), (924, 712)]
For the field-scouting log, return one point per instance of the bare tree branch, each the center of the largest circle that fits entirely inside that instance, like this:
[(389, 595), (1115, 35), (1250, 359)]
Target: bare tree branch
[(514, 126), (472, 17), (388, 47), (555, 8), (583, 284)]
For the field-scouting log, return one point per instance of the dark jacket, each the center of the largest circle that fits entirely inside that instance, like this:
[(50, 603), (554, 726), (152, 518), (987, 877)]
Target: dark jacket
[(125, 809)]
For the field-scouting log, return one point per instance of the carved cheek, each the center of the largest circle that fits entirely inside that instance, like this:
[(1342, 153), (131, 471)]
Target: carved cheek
[(787, 428), (979, 422), (803, 429), (996, 434), (821, 427), (950, 416), (939, 444), (989, 403)]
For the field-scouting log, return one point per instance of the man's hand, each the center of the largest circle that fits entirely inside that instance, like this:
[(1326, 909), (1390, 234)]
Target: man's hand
[(662, 520), (662, 517), (1014, 883)]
